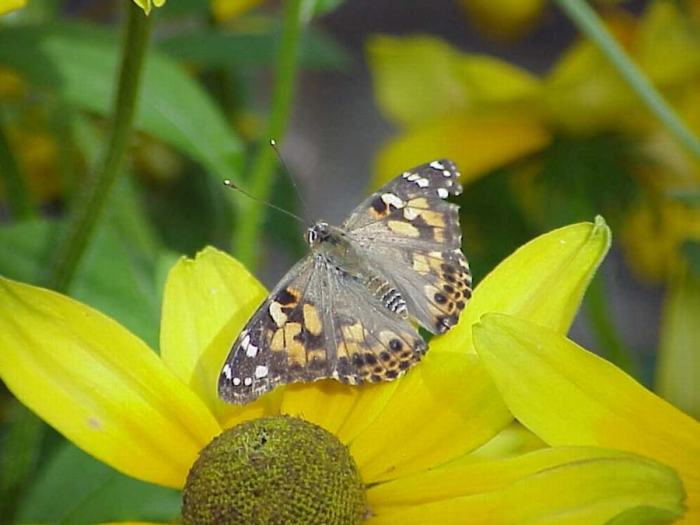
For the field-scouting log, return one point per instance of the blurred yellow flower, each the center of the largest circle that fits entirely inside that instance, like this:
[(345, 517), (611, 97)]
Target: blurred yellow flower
[(485, 114), (478, 111), (572, 397), (503, 19), (147, 5), (411, 439), (224, 10), (678, 370), (11, 5)]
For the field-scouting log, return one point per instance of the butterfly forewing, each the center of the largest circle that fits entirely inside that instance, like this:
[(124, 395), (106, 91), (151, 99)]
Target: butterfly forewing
[(412, 234), (346, 313)]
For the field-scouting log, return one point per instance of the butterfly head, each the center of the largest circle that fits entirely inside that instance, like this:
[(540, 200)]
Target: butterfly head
[(318, 233)]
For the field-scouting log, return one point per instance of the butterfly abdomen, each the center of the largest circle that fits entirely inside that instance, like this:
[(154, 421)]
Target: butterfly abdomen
[(388, 295)]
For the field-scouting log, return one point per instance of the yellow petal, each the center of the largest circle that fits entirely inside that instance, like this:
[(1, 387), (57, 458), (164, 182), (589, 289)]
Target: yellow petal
[(576, 487), (678, 367), (99, 385), (224, 10), (211, 296), (422, 79), (10, 5), (569, 396), (513, 440), (441, 409), (503, 19), (471, 475), (584, 93), (476, 144), (667, 46), (543, 281), (342, 410)]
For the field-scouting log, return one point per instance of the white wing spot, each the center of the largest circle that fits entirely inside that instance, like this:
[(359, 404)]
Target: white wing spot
[(248, 381), (406, 174), (251, 351), (413, 176), (392, 200), (260, 371), (423, 183), (443, 193), (446, 173), (227, 371), (236, 381), (437, 165)]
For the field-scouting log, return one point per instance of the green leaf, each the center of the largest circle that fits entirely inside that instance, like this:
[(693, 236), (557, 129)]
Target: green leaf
[(77, 489), (583, 177), (691, 252), (322, 7), (213, 48), (115, 278), (79, 62)]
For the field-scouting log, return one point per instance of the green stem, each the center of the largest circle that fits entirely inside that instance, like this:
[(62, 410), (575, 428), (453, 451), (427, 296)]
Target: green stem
[(90, 203), (601, 322), (250, 214), (589, 23), (20, 454), (18, 199)]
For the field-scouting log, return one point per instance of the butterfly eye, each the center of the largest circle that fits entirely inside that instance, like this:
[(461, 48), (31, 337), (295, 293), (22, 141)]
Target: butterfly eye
[(311, 236)]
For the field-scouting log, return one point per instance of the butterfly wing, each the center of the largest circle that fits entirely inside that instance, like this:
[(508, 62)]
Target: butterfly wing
[(409, 232), (258, 361), (318, 323)]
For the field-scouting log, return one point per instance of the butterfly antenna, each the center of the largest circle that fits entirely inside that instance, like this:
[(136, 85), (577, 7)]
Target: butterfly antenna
[(273, 145), (230, 184)]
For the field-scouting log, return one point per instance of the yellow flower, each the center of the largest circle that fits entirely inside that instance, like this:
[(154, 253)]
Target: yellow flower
[(503, 19), (147, 5), (224, 10), (570, 397), (478, 111), (678, 369), (11, 5), (150, 415)]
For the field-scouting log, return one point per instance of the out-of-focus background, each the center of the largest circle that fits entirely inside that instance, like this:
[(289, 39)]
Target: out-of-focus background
[(543, 127)]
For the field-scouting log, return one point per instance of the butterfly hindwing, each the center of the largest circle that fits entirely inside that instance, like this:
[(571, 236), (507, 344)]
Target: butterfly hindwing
[(368, 341)]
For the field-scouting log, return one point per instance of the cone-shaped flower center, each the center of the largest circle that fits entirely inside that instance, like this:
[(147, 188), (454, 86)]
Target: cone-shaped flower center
[(274, 470)]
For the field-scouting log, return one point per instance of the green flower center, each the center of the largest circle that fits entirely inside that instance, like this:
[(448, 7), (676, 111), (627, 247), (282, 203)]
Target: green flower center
[(274, 470)]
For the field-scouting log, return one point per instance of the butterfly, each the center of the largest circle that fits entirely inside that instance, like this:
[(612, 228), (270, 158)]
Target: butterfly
[(348, 309)]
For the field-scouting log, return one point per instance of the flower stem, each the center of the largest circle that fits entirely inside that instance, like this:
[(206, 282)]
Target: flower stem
[(20, 454), (588, 22), (250, 214), (89, 204), (18, 199), (601, 322)]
